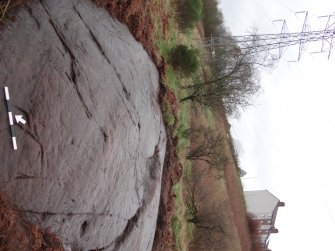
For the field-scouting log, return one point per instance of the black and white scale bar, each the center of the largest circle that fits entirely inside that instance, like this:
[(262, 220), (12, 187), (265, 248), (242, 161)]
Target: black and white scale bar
[(10, 118)]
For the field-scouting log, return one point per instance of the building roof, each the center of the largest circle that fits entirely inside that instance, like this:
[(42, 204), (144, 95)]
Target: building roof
[(261, 203)]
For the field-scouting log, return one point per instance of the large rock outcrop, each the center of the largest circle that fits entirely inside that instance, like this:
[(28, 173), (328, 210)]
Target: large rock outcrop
[(89, 158)]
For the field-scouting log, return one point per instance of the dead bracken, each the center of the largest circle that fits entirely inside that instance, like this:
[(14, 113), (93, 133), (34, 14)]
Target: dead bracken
[(16, 233)]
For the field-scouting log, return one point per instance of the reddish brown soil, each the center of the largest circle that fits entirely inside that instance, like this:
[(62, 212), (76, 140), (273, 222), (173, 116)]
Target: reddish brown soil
[(235, 192), (201, 29), (233, 207), (172, 172), (16, 233), (208, 187)]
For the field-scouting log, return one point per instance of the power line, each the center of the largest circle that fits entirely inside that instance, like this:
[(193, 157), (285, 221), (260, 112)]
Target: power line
[(258, 43)]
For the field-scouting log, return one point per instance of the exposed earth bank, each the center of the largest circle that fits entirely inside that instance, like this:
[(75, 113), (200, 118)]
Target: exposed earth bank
[(90, 157)]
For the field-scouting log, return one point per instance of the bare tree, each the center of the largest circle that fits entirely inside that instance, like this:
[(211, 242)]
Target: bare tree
[(209, 148), (206, 215), (234, 78)]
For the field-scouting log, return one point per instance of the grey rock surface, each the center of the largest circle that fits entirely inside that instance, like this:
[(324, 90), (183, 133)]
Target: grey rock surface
[(89, 158)]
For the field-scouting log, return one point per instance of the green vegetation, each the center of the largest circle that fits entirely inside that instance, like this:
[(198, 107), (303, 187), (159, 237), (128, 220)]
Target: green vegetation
[(172, 78), (182, 230), (166, 43), (167, 113), (185, 60), (190, 11), (232, 78), (212, 18), (177, 218), (183, 124), (177, 76)]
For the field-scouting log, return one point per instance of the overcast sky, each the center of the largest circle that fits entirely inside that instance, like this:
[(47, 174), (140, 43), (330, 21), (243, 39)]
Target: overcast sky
[(288, 137)]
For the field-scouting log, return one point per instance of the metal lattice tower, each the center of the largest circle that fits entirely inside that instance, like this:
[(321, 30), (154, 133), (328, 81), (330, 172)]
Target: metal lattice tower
[(283, 40)]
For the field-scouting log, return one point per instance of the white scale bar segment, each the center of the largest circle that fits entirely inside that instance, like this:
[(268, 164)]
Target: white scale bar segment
[(11, 122), (6, 93), (14, 143)]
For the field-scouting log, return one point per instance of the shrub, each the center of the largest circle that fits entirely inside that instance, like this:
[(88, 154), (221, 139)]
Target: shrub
[(212, 18), (184, 59), (190, 11)]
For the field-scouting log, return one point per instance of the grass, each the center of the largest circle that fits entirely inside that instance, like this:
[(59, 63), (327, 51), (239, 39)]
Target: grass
[(166, 32), (182, 231), (190, 11), (177, 217), (172, 79), (167, 113), (188, 229), (165, 42), (209, 116), (183, 115)]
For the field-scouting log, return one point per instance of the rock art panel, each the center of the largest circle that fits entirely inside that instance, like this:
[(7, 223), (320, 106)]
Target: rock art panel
[(89, 158)]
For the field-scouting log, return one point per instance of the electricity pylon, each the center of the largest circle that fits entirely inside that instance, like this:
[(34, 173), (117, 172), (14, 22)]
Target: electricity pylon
[(256, 43)]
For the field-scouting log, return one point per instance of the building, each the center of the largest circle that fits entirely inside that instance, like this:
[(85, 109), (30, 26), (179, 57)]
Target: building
[(263, 206)]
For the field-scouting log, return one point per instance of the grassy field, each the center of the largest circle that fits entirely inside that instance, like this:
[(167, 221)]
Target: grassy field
[(182, 232), (226, 192), (233, 187)]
